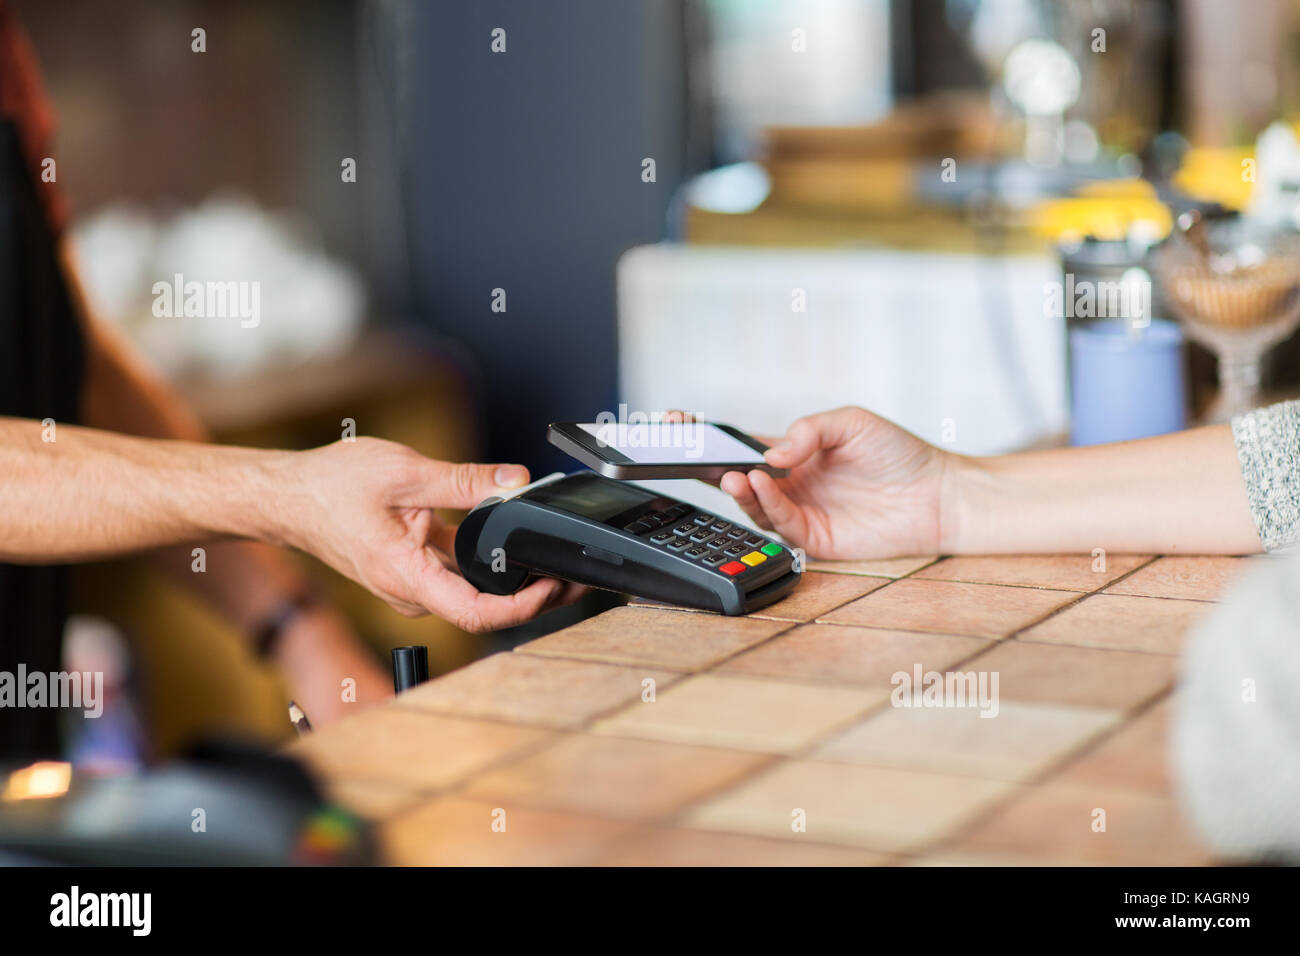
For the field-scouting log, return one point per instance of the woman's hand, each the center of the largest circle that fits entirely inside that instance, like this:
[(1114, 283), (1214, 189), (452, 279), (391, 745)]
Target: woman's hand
[(859, 487)]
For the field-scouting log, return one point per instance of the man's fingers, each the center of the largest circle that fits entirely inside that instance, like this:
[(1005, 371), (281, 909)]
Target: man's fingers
[(464, 485), (491, 611), (567, 594), (443, 538), (404, 608), (444, 592), (450, 596)]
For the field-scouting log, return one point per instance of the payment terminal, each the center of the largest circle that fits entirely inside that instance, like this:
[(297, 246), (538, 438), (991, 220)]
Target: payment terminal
[(613, 535)]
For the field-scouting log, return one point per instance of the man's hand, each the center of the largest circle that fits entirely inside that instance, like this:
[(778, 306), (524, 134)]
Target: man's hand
[(366, 508), (859, 487)]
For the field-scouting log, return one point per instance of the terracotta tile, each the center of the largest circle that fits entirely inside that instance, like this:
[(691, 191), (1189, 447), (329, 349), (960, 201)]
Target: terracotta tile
[(398, 745), (458, 832), (1068, 572), (1077, 676), (851, 655), (374, 801), (818, 593), (650, 637), (611, 776), (705, 848), (878, 567), (1188, 578), (881, 808), (983, 610), (1136, 757), (743, 713), (1055, 822), (1121, 622), (528, 689), (1017, 742)]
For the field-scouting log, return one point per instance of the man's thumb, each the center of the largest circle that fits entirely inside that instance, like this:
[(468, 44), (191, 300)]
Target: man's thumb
[(465, 485)]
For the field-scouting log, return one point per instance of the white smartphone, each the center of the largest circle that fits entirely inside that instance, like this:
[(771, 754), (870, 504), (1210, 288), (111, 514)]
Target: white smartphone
[(705, 450)]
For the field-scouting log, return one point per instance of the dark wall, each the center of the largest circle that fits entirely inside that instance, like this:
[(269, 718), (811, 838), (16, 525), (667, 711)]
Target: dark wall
[(522, 171)]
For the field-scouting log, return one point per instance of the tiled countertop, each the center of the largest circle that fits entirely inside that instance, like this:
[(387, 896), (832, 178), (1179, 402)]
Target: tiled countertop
[(649, 735)]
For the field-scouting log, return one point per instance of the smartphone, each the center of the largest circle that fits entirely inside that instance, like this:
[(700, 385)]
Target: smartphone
[(705, 450)]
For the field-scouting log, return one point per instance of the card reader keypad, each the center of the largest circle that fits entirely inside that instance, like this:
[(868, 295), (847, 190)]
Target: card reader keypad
[(715, 543), (657, 519)]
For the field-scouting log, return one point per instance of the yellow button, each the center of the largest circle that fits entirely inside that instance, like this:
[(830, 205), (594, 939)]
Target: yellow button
[(754, 558)]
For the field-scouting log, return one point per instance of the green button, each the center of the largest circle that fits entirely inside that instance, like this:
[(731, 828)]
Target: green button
[(771, 550)]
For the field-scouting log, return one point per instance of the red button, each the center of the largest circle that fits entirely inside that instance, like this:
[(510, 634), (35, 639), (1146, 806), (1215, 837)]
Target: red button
[(733, 567)]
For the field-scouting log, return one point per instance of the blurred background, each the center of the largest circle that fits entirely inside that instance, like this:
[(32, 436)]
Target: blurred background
[(1002, 223)]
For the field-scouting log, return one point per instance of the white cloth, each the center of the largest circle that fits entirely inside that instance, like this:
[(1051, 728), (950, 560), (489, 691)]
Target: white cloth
[(1236, 736)]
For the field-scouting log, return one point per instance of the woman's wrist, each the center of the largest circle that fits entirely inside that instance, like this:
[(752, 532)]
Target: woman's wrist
[(1174, 494), (964, 480)]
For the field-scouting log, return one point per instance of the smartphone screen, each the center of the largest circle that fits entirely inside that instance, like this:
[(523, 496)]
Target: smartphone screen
[(670, 443)]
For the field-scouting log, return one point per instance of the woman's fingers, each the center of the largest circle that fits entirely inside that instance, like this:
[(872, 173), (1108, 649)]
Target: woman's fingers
[(738, 486), (784, 516), (796, 446), (813, 433)]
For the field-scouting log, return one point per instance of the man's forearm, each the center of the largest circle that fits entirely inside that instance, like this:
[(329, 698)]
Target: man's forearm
[(243, 580), (90, 494), (1179, 493)]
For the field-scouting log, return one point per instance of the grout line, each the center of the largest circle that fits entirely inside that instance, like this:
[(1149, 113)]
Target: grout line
[(576, 658), (1015, 635), (1020, 639), (863, 574), (908, 630), (1159, 597)]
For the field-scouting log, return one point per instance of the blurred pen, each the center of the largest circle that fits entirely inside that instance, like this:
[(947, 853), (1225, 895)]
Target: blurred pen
[(299, 719)]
